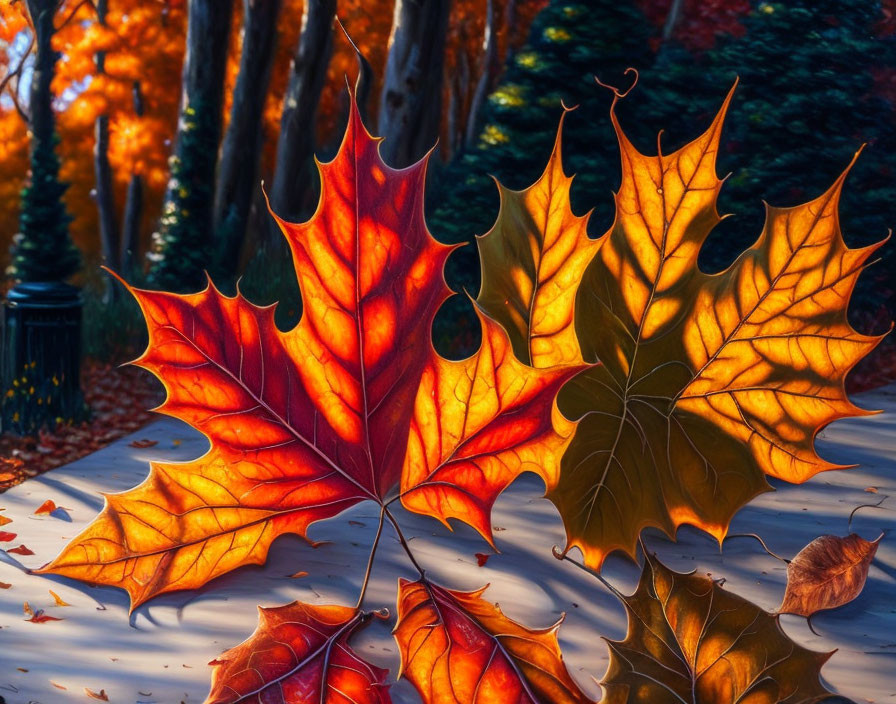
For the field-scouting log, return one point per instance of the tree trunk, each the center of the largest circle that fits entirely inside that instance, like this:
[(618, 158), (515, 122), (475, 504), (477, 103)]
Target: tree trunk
[(42, 122), (672, 19), (510, 29), (488, 71), (453, 118), (105, 196), (182, 244), (410, 105), (238, 169), (461, 80), (294, 176), (133, 207)]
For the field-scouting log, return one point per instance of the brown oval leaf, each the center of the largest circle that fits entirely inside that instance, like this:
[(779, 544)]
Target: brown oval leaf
[(827, 573), (93, 695), (142, 444)]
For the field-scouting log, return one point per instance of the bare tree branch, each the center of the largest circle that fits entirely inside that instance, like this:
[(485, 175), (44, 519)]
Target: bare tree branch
[(74, 12)]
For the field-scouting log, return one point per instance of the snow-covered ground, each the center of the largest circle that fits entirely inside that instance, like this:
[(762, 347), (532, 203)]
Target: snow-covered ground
[(160, 654)]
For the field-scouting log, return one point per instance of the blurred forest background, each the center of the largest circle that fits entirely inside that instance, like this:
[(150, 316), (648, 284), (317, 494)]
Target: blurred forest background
[(157, 120)]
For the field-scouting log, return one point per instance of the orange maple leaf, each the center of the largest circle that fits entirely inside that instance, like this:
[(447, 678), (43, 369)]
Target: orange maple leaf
[(456, 648), (306, 423), (477, 425)]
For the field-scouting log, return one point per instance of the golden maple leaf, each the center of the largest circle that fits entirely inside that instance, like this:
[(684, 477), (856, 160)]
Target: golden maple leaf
[(706, 383), (532, 260)]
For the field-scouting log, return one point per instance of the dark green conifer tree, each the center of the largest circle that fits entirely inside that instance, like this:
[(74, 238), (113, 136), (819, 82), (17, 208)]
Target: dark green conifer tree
[(43, 250), (182, 245), (805, 103)]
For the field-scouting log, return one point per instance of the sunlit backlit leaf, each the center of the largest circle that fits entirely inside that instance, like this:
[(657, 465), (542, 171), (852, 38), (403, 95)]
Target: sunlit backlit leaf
[(303, 424), (457, 648), (532, 261), (299, 653), (306, 423), (477, 425), (707, 383)]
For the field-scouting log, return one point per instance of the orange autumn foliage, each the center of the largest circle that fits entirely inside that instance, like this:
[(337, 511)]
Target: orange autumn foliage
[(144, 41)]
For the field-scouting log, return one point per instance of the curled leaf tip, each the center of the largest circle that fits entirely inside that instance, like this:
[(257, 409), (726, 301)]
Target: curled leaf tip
[(618, 94)]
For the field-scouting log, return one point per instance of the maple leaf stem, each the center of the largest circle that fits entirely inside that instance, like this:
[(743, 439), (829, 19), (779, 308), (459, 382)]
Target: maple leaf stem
[(853, 512), (403, 541), (761, 542), (560, 555), (376, 542)]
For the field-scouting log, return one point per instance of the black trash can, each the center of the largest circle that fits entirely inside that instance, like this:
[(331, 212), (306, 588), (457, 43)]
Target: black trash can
[(41, 356)]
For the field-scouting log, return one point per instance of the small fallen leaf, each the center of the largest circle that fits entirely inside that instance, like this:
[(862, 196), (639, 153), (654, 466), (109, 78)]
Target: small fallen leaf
[(26, 609), (93, 695), (3, 519), (22, 669), (176, 443), (482, 558), (40, 617), (47, 506), (58, 599), (827, 573), (6, 537), (57, 685), (4, 585), (299, 575), (143, 444), (7, 476), (21, 550), (871, 489)]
